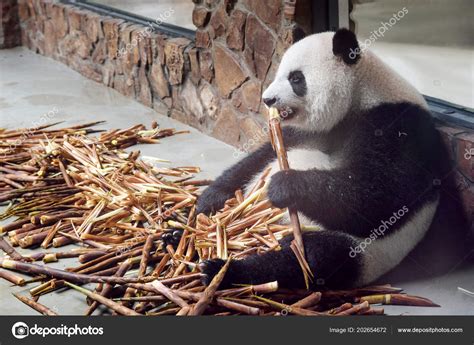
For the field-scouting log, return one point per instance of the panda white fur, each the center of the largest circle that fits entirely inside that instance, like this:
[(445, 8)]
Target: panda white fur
[(362, 150)]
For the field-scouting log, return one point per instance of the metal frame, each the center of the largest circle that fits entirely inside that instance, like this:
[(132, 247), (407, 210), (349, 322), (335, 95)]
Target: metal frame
[(330, 15), (449, 112), (169, 29)]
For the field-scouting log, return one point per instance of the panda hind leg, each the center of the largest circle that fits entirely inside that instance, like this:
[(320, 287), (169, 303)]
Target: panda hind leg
[(327, 253)]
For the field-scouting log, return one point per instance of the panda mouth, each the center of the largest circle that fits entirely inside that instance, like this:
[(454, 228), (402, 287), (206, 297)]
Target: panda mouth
[(286, 113)]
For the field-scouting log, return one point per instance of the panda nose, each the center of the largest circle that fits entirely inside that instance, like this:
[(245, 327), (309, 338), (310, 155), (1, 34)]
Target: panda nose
[(269, 101)]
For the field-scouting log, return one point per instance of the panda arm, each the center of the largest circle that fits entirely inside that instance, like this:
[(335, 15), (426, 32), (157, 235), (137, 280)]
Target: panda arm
[(381, 175), (332, 198), (241, 173)]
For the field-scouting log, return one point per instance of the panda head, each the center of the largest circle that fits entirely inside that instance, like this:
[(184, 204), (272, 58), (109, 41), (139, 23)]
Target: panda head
[(315, 82)]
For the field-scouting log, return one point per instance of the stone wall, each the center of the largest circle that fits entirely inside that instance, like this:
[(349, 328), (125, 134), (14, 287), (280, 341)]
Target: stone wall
[(459, 143), (9, 24), (213, 83)]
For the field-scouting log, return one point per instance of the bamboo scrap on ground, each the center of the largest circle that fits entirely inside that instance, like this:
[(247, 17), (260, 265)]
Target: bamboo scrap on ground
[(67, 187), (35, 305)]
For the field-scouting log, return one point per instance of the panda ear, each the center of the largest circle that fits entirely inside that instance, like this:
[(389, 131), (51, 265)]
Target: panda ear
[(345, 45), (298, 34)]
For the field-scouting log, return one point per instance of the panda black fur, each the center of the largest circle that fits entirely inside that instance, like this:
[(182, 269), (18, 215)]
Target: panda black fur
[(363, 153)]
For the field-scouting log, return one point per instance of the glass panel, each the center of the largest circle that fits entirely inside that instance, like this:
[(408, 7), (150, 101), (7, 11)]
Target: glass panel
[(429, 42), (176, 12)]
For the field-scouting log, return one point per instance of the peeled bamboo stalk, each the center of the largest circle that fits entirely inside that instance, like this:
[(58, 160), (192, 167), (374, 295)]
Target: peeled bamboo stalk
[(279, 147), (50, 257)]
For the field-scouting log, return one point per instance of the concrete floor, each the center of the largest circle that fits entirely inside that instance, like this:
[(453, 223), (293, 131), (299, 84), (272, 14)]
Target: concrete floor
[(32, 85)]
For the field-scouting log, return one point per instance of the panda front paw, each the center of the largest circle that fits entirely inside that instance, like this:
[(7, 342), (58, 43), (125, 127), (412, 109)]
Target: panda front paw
[(210, 268), (281, 189), (212, 200), (172, 236)]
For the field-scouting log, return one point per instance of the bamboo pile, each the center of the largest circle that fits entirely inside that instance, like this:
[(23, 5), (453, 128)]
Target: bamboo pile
[(109, 209)]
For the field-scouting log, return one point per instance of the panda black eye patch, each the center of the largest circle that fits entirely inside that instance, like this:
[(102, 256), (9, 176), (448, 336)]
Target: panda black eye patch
[(298, 83)]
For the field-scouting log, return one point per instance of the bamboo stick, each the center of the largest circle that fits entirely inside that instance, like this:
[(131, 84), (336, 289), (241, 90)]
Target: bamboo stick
[(288, 308), (50, 235), (60, 274), (210, 291), (308, 301), (168, 293), (35, 305), (146, 255), (358, 308), (399, 299), (9, 250), (124, 267), (340, 309), (12, 278), (13, 225), (279, 147), (105, 301)]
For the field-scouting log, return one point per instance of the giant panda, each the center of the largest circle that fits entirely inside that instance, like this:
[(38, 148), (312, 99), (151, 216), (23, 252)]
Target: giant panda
[(363, 155)]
